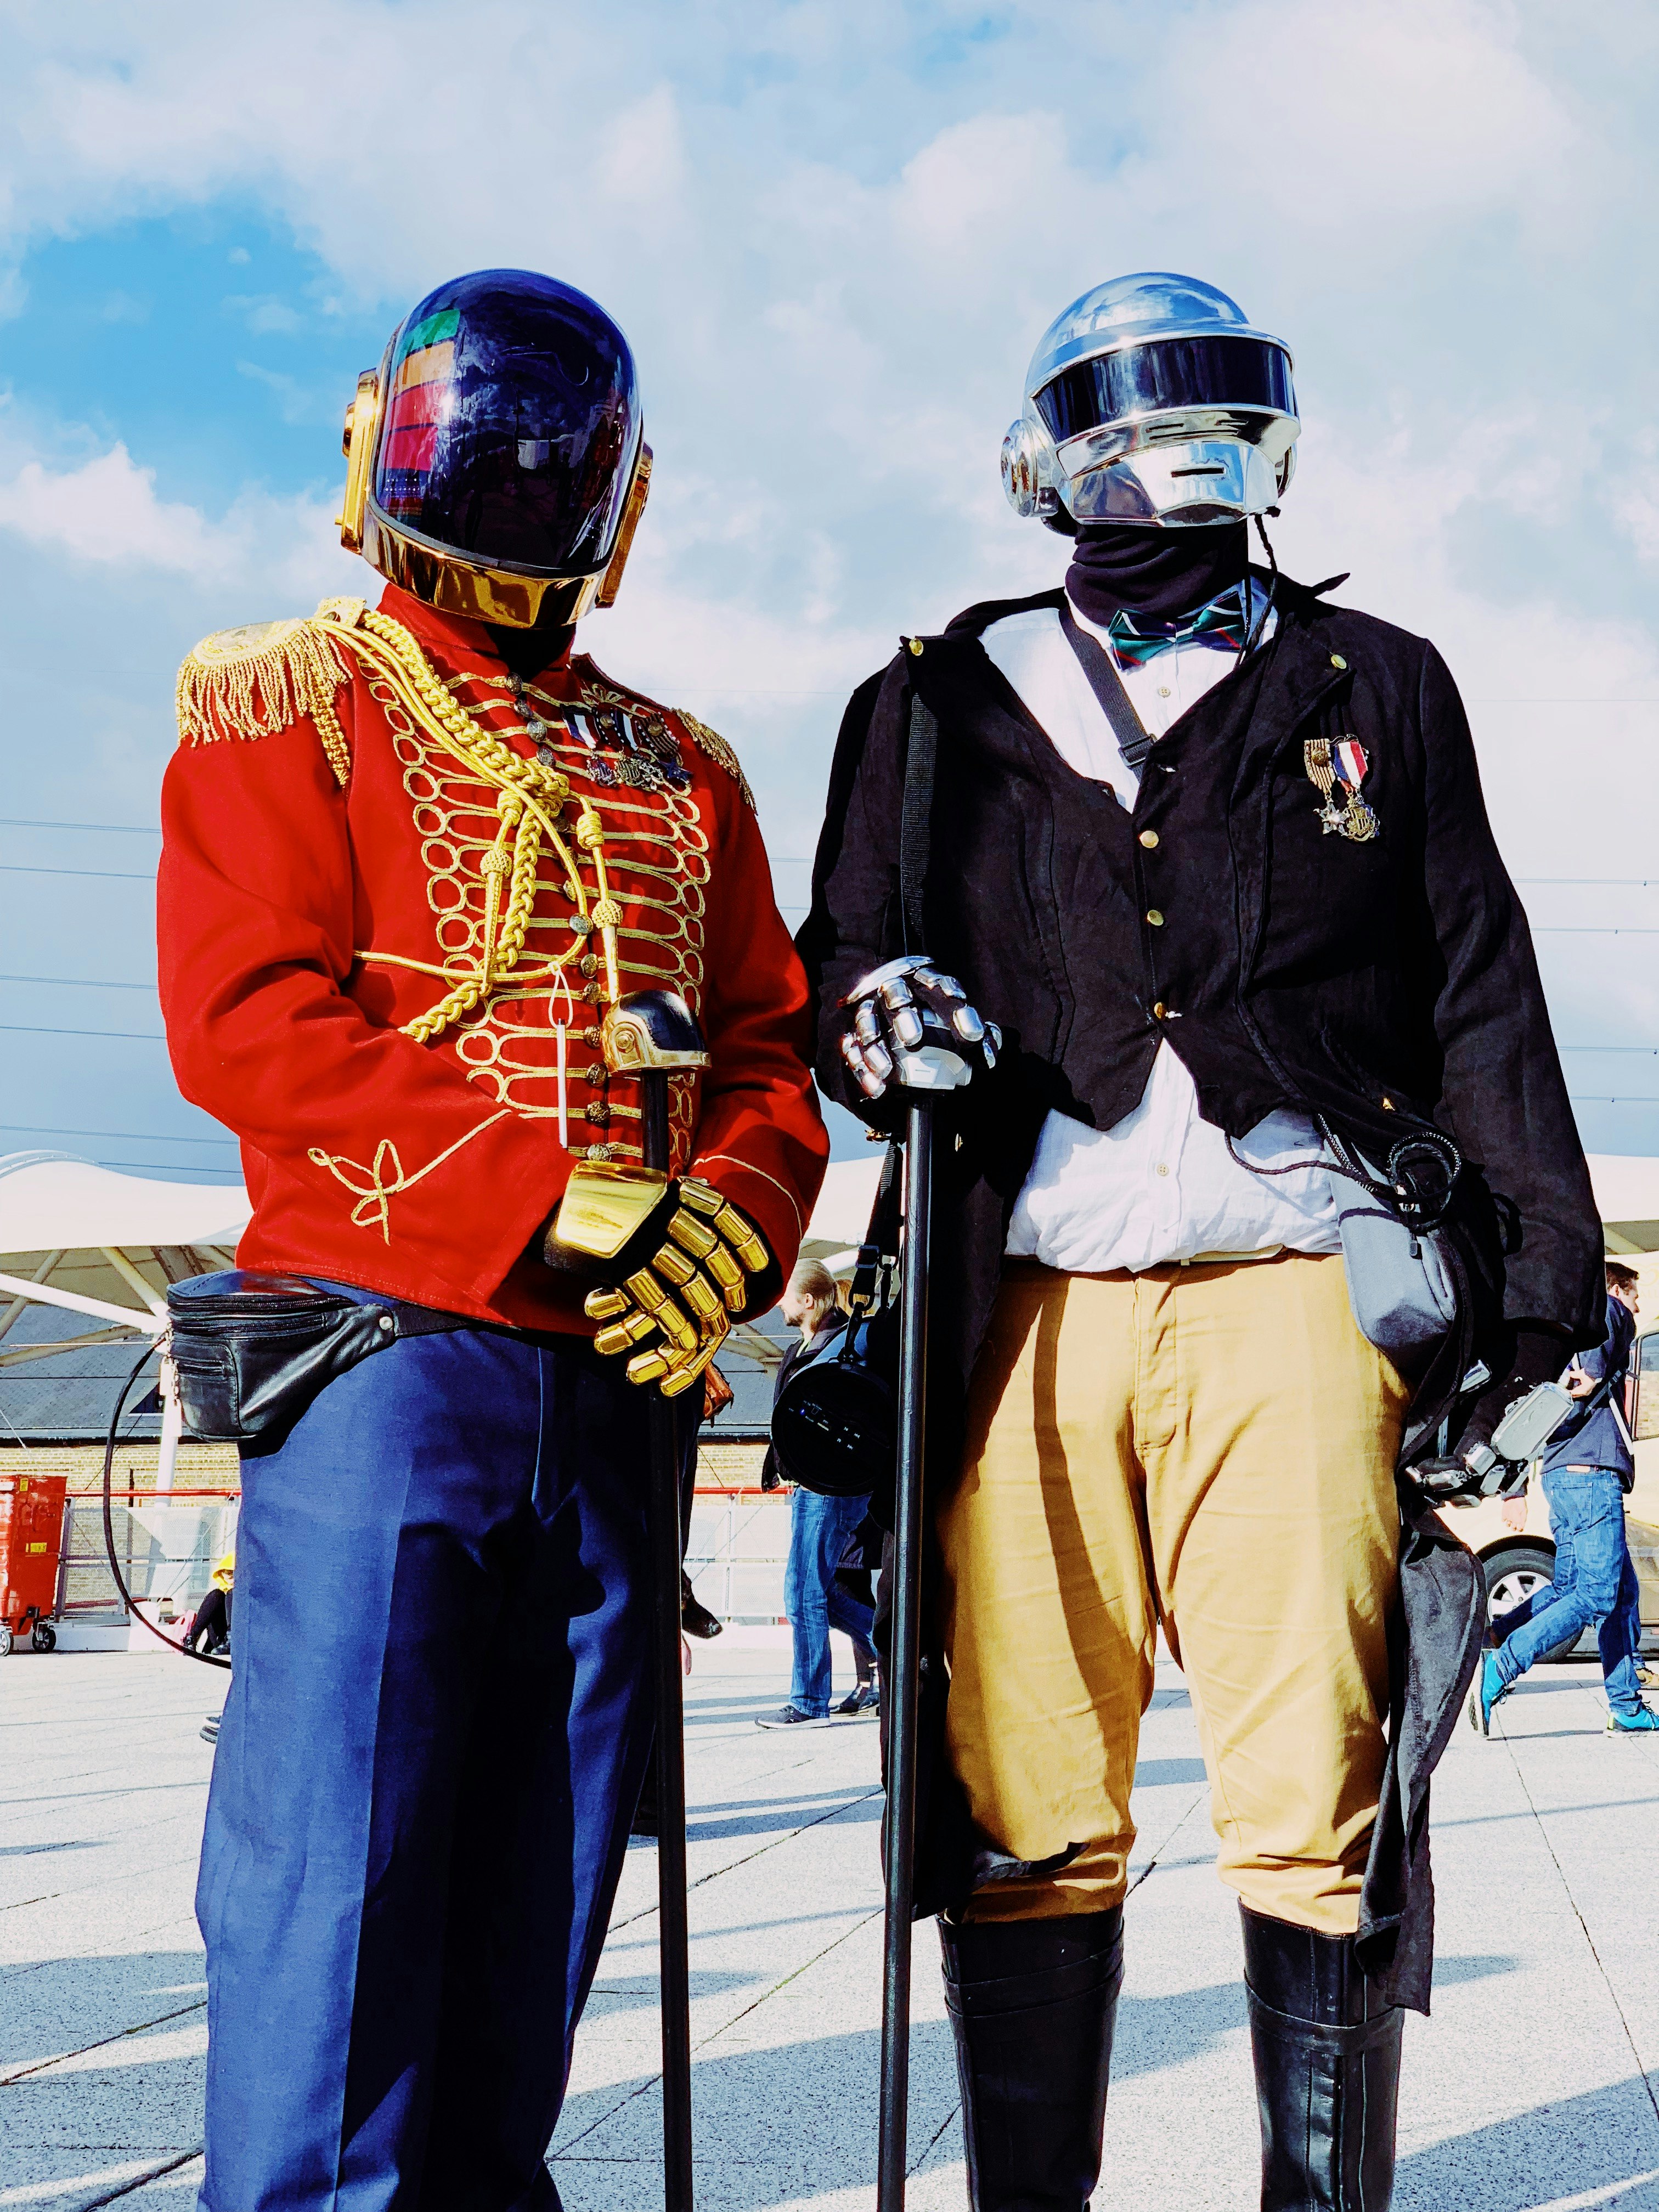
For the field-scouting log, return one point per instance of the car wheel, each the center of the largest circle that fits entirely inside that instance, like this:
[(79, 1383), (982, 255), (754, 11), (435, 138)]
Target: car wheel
[(1512, 1575), (5, 1640)]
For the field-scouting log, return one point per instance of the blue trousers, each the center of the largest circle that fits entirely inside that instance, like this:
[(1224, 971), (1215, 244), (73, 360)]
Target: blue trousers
[(1594, 1581), (819, 1531), (434, 1739)]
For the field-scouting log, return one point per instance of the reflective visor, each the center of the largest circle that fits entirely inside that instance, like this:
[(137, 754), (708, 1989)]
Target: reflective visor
[(511, 425), (1166, 376)]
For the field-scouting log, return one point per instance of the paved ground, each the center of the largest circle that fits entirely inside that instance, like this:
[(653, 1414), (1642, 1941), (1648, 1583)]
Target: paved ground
[(1533, 2087)]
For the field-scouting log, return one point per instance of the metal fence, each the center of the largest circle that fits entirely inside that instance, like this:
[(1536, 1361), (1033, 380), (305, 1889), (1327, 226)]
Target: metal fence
[(168, 1548), (735, 1551)]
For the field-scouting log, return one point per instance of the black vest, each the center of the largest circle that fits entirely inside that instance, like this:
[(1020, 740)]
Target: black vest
[(1144, 916)]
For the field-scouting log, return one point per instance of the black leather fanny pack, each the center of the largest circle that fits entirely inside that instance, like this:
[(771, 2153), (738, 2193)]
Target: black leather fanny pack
[(253, 1351)]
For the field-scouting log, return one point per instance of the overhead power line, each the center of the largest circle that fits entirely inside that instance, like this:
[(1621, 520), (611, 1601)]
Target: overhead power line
[(79, 982), (107, 875), (120, 1136), (151, 1164), (28, 1029), (121, 829)]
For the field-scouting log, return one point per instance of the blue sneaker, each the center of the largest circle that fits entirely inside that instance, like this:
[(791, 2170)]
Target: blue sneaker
[(1643, 1721), (1489, 1687)]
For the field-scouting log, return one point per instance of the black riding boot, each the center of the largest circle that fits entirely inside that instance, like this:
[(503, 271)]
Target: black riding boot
[(1032, 2004), (1327, 2071)]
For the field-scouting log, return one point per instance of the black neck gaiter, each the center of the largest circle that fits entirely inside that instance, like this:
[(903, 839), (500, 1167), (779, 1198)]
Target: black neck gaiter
[(529, 652), (1160, 573)]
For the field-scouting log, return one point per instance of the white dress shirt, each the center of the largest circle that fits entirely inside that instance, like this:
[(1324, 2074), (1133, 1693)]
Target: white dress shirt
[(1160, 1185)]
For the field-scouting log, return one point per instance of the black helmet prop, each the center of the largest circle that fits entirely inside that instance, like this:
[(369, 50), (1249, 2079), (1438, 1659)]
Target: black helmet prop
[(496, 462)]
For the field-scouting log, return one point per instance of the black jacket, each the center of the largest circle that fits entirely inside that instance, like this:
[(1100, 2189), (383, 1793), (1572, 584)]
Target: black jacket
[(772, 1473), (1375, 984)]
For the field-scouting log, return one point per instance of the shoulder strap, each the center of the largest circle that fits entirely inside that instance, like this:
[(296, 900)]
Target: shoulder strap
[(916, 822), (881, 1239), (1133, 741)]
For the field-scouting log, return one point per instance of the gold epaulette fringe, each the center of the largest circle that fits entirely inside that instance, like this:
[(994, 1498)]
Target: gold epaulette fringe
[(254, 681), (712, 743)]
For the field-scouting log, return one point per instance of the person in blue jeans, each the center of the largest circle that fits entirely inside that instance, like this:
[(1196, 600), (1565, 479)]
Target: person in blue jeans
[(1589, 1468), (820, 1530)]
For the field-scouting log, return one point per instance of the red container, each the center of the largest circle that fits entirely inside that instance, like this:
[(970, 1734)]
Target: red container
[(30, 1541)]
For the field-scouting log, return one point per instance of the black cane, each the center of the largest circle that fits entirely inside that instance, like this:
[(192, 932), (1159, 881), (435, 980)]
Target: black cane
[(667, 1549), (904, 1665), (651, 1034)]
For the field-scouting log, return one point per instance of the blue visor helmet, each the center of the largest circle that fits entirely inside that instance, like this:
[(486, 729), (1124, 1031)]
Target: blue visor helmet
[(498, 462)]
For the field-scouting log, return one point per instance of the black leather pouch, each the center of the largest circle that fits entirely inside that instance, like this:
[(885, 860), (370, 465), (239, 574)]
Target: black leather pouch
[(253, 1351), (834, 1426)]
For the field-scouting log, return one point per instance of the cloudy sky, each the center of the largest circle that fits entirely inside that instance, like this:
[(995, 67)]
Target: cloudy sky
[(833, 231)]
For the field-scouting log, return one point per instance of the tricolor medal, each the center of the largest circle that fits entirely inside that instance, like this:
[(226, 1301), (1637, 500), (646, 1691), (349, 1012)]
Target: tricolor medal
[(1337, 768)]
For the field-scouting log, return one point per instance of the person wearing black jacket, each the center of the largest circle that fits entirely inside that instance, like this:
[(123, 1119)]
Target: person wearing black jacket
[(820, 1530), (1242, 978)]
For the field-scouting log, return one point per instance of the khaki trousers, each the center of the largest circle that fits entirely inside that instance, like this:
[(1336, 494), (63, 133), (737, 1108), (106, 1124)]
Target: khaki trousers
[(1211, 1447)]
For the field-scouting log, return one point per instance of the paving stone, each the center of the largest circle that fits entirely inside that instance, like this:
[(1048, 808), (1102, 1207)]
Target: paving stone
[(1525, 2091)]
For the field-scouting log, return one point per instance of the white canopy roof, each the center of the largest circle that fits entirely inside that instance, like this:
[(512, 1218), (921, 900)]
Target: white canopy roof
[(1626, 1188), (53, 1202), (843, 1213), (1626, 1197)]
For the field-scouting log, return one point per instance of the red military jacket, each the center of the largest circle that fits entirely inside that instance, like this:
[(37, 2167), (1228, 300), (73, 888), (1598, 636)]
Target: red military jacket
[(325, 881)]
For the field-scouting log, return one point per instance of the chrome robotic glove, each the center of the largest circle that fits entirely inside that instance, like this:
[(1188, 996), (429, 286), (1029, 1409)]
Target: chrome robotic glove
[(679, 1260), (910, 1024)]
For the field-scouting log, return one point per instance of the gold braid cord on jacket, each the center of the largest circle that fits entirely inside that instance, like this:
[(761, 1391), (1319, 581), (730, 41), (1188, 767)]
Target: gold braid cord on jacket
[(645, 856)]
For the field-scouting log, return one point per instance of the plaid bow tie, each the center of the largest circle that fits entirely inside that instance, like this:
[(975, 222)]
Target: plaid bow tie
[(1222, 625)]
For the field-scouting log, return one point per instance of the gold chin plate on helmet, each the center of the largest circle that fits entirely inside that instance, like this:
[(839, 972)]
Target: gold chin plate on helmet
[(604, 1203), (459, 586)]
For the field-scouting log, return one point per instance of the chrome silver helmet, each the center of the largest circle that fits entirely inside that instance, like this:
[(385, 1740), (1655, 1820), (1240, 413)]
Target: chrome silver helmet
[(1152, 400)]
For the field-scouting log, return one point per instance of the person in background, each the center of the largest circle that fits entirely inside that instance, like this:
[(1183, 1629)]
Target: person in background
[(1587, 1468), (211, 1627), (819, 1528), (810, 1306), (856, 1575)]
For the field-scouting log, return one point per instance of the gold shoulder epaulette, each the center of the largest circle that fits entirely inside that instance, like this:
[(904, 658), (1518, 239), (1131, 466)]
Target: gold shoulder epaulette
[(255, 680), (712, 743)]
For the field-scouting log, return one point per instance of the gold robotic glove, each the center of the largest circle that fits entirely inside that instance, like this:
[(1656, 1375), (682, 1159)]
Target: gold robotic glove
[(677, 1308)]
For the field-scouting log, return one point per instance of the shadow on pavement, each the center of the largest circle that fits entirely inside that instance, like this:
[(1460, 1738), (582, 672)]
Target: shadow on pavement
[(52, 2008), (1476, 1967), (859, 1812), (1599, 2149)]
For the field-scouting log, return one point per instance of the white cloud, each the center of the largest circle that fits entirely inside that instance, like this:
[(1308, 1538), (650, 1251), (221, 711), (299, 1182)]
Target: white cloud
[(834, 229), (107, 510), (105, 514)]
